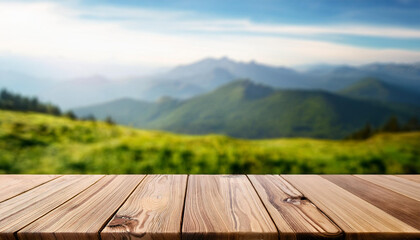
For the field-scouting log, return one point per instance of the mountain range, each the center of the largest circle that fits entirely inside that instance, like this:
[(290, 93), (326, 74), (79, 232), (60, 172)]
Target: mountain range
[(206, 97), (200, 77), (246, 109)]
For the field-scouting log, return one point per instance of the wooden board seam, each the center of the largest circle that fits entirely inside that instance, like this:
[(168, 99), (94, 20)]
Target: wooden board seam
[(343, 234), (15, 233), (182, 210), (387, 203), (410, 177), (225, 207), (32, 188), (389, 177), (183, 205), (275, 225), (113, 214)]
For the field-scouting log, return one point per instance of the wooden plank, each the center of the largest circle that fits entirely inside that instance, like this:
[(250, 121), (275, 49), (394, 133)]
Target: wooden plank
[(396, 184), (225, 207), (12, 185), (412, 177), (84, 216), (153, 211), (404, 208), (25, 208), (356, 217), (294, 216)]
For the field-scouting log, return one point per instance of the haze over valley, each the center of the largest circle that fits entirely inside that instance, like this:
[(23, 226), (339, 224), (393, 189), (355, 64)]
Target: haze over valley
[(189, 80)]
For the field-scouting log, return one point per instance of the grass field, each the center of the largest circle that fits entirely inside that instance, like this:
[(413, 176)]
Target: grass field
[(37, 143)]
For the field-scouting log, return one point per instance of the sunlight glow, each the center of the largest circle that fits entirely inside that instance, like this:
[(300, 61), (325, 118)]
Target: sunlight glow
[(51, 30)]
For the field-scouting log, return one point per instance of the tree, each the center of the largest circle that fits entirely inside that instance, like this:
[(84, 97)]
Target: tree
[(53, 110), (364, 133), (89, 117), (16, 102), (71, 115), (109, 120), (392, 125), (412, 124)]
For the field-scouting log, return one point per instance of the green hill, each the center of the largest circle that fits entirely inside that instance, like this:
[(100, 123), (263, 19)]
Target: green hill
[(247, 110), (131, 112), (38, 143), (374, 89)]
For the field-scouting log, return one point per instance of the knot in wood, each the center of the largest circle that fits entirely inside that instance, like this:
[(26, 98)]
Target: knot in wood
[(121, 221), (294, 200)]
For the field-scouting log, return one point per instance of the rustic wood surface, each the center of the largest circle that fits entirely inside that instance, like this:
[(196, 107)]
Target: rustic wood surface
[(412, 177), (12, 185), (365, 207), (86, 213), (294, 216), (153, 211), (404, 208), (25, 208), (396, 184), (356, 217), (225, 206)]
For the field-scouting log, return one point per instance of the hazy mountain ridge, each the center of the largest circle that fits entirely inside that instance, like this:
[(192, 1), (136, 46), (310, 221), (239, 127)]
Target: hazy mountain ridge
[(23, 83), (269, 75), (375, 89), (339, 77), (203, 76)]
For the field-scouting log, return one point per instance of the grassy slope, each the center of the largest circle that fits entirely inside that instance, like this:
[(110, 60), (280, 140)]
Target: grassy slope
[(36, 143)]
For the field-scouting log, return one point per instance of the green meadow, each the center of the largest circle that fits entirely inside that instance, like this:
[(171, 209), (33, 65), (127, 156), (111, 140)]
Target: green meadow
[(39, 143)]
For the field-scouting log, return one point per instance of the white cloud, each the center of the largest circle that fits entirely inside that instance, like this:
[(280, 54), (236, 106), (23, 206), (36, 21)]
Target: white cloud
[(345, 29), (138, 36), (191, 21)]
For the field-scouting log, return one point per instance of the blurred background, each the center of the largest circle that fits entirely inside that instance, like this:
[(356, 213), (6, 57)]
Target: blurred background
[(210, 86)]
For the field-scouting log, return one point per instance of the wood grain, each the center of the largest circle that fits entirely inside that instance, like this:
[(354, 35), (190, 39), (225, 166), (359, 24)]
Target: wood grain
[(153, 211), (83, 216), (25, 208), (404, 208), (400, 185), (215, 207), (356, 217), (225, 207), (294, 216), (412, 177), (12, 185)]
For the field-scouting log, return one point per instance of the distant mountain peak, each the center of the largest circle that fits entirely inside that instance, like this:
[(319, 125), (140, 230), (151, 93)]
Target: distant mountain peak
[(225, 58), (213, 60), (248, 89), (244, 82), (94, 79), (367, 82), (165, 99)]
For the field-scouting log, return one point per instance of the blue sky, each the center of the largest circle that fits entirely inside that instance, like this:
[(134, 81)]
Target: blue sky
[(377, 12), (154, 34)]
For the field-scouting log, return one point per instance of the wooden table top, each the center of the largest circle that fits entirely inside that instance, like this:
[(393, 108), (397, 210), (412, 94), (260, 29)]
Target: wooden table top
[(210, 207)]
